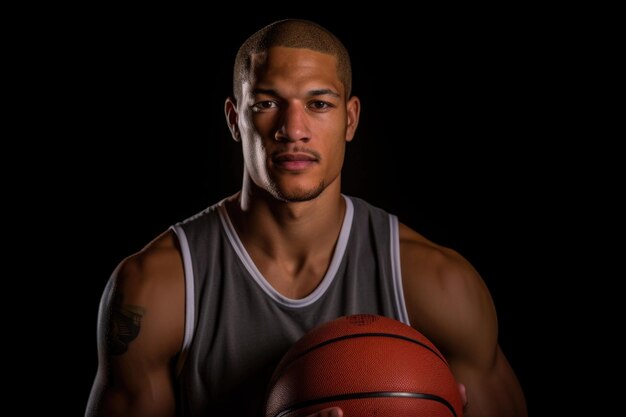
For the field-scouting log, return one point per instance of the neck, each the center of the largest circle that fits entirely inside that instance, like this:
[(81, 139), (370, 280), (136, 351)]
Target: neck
[(287, 230)]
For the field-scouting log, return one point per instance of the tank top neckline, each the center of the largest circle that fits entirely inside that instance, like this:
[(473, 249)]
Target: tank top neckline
[(261, 281)]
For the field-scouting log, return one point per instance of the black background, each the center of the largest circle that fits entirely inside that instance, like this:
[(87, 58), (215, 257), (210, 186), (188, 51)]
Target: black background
[(456, 109)]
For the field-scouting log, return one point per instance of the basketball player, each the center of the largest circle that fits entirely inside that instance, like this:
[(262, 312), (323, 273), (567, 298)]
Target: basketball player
[(194, 323)]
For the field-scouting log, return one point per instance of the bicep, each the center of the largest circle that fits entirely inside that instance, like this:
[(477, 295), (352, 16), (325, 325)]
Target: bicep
[(136, 348), (117, 393)]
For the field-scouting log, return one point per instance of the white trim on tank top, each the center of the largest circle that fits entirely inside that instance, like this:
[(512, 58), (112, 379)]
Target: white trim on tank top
[(396, 270), (247, 261), (189, 296)]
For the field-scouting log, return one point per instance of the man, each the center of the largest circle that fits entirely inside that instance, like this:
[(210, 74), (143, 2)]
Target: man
[(195, 322)]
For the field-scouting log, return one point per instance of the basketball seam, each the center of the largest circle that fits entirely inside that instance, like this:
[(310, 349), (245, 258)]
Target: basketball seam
[(361, 395), (351, 336), (357, 335)]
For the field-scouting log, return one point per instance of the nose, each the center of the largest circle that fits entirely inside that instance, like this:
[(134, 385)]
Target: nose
[(293, 125)]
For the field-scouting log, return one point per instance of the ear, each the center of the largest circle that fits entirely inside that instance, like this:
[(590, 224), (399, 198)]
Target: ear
[(230, 110), (353, 108)]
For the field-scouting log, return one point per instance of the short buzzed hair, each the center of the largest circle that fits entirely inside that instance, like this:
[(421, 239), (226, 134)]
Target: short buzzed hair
[(292, 33)]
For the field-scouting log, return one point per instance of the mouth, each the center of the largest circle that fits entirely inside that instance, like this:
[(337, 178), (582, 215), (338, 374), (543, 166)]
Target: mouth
[(294, 161)]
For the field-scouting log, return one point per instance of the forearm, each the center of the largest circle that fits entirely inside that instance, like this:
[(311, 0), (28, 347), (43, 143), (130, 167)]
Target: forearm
[(496, 393)]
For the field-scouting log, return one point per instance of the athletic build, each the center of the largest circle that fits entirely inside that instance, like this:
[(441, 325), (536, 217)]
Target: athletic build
[(287, 252)]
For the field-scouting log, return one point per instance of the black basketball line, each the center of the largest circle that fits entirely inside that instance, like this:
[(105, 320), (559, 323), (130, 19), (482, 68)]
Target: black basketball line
[(354, 336), (361, 395)]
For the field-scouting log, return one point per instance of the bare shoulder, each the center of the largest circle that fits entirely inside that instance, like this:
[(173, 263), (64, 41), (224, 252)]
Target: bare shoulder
[(152, 280), (158, 263), (445, 296)]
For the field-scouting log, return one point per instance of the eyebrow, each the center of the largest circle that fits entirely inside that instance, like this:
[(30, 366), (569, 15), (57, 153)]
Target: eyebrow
[(311, 93)]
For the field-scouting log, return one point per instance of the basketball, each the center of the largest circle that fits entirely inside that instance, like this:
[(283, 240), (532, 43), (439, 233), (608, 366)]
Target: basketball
[(369, 366)]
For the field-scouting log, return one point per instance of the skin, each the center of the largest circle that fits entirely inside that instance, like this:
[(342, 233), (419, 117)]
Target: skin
[(293, 121)]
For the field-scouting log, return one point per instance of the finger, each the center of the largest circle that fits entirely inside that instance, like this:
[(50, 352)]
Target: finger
[(329, 412), (463, 393)]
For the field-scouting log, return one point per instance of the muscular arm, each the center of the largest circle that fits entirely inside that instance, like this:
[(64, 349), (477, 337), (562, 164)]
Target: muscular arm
[(449, 303), (140, 331)]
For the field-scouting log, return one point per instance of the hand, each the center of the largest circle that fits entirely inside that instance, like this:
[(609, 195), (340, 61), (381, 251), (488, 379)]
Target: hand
[(328, 412), (336, 412), (463, 397)]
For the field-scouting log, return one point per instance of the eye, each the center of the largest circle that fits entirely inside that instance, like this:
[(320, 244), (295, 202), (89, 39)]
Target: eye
[(318, 105), (263, 106)]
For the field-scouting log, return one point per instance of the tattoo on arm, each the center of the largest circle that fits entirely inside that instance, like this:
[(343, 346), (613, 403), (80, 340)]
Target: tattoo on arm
[(124, 325)]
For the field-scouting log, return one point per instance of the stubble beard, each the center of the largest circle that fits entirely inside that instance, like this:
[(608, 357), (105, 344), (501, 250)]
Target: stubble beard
[(298, 195)]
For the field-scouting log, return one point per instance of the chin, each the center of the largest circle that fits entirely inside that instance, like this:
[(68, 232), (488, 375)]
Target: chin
[(297, 194)]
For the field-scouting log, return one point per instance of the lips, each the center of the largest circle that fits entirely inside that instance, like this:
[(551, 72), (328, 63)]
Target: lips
[(286, 157), (294, 161)]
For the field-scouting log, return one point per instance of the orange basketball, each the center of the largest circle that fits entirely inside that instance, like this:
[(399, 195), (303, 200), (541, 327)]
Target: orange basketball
[(369, 366)]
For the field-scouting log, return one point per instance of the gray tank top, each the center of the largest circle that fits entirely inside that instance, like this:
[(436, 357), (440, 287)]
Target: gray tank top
[(237, 326)]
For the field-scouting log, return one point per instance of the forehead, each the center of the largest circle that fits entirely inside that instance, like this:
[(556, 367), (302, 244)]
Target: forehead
[(294, 67)]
